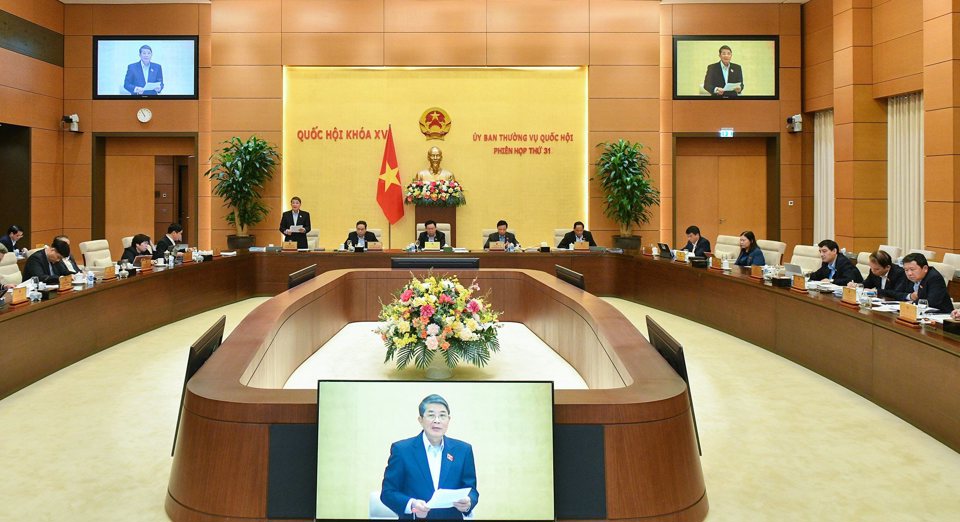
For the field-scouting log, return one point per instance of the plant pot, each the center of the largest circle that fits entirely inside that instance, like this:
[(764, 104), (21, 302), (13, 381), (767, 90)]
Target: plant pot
[(438, 369), (235, 242), (628, 242)]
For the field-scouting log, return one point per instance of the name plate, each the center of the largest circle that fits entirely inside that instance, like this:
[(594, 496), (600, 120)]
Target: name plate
[(66, 283), (756, 271), (716, 263), (682, 256), (146, 264), (109, 272), (800, 282), (374, 245), (497, 245), (582, 245), (908, 312), (289, 245), (849, 295), (431, 245), (188, 256), (19, 296)]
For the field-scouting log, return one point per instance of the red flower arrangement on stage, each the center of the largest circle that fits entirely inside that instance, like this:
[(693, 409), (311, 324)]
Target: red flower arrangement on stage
[(441, 193)]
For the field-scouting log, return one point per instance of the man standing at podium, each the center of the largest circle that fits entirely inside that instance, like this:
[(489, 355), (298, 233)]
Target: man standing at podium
[(422, 464), (295, 224)]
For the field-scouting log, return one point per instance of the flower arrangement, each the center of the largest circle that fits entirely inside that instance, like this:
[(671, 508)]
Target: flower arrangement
[(438, 317), (443, 193)]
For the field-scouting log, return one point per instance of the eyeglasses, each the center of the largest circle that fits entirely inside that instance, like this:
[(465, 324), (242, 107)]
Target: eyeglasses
[(443, 417)]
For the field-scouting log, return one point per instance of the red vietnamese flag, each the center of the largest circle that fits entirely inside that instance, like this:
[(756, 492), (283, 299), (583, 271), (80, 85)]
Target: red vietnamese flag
[(389, 190)]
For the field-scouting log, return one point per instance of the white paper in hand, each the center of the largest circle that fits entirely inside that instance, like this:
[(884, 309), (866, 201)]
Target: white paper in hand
[(444, 498)]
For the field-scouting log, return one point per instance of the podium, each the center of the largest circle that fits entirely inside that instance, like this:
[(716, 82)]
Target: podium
[(440, 215)]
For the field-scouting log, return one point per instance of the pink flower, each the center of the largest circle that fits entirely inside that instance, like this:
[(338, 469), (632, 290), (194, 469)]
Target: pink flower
[(426, 311), (433, 329), (474, 306), (445, 299), (406, 295)]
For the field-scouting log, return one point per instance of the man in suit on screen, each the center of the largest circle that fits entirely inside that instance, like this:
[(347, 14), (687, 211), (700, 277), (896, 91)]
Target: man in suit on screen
[(429, 461), (144, 72), (722, 73)]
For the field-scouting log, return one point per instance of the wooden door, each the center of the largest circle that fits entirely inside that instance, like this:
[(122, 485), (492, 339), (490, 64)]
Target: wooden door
[(742, 195), (128, 198), (696, 197)]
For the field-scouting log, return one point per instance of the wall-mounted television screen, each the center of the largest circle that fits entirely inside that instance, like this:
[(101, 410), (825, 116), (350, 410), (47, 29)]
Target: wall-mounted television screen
[(726, 67), (156, 67)]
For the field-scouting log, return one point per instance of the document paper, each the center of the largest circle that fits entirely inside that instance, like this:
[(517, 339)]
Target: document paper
[(731, 86), (444, 498)]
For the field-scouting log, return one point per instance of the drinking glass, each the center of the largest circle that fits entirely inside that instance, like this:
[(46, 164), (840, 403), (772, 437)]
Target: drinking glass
[(922, 307)]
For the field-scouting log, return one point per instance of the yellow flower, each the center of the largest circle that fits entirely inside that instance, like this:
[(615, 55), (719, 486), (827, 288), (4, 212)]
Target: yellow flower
[(403, 326)]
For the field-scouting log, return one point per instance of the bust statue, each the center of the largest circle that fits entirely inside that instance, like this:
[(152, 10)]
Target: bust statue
[(434, 172)]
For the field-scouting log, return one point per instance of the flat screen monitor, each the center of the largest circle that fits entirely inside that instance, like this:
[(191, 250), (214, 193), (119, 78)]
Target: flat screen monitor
[(145, 67), (426, 263), (200, 351), (672, 352), (726, 67), (574, 278), (497, 449), (301, 276)]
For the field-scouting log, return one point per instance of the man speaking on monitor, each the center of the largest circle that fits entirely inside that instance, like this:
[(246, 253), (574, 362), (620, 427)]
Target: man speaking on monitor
[(420, 466), (724, 79), (144, 78)]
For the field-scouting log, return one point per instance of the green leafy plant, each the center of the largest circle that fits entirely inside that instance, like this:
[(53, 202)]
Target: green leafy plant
[(240, 170), (623, 171)]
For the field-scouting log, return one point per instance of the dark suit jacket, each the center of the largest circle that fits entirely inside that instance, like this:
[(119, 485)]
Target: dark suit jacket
[(162, 246), (845, 272), (422, 241), (753, 257), (703, 247), (408, 475), (130, 253), (714, 79), (932, 288), (496, 237), (352, 237), (568, 239), (134, 77), (7, 242), (39, 266), (896, 281), (286, 221)]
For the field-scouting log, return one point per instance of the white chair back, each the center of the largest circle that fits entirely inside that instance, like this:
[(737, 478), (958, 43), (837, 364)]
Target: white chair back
[(807, 257), (863, 263), (313, 239), (485, 233), (727, 246), (126, 242), (772, 251), (894, 251), (96, 254), (558, 234), (952, 260), (9, 270), (442, 227), (929, 254), (947, 271)]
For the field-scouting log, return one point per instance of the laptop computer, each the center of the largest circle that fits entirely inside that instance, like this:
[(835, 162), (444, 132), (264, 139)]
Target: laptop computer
[(665, 251), (792, 269)]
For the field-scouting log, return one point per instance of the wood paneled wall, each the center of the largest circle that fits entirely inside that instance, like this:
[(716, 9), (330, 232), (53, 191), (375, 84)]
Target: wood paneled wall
[(897, 34), (118, 117), (758, 116), (31, 95)]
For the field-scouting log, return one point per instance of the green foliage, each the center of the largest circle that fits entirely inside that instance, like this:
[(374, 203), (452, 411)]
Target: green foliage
[(240, 170), (623, 171)]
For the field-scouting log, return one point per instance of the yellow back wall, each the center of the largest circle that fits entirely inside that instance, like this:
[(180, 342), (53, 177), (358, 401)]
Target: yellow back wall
[(337, 178)]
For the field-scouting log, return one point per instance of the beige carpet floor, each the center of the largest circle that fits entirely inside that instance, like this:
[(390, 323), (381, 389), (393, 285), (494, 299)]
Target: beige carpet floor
[(92, 442)]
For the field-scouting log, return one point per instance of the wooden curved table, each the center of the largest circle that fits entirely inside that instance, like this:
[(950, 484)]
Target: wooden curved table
[(637, 402)]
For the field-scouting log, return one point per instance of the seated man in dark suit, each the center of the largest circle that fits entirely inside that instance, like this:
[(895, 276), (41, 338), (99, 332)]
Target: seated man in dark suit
[(721, 73), (924, 282), (431, 234), (361, 236), (502, 236), (169, 242), (42, 263), (429, 461), (67, 265), (142, 72), (295, 218), (10, 240), (700, 246), (888, 278), (140, 246), (577, 235), (836, 267)]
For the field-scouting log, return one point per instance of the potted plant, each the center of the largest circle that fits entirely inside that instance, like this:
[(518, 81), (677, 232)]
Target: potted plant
[(240, 170), (623, 171)]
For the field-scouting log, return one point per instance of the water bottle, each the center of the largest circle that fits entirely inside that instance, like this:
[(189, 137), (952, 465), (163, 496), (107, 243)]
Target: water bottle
[(91, 277)]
